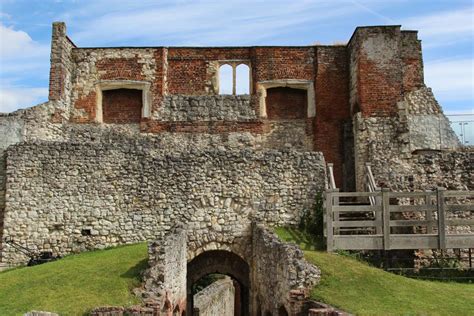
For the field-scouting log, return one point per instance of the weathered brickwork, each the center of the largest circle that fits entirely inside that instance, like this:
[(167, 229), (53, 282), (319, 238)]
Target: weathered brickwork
[(273, 63), (62, 65), (332, 110), (386, 62)]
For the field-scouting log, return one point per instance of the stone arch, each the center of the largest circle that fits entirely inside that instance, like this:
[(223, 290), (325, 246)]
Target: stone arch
[(222, 262), (209, 241)]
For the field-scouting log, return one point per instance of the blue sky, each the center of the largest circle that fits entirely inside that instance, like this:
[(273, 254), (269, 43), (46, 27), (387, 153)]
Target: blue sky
[(446, 29)]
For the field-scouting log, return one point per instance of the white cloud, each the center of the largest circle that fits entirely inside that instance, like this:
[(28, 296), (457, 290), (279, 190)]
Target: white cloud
[(5, 16), (16, 44), (201, 22), (20, 58), (13, 98), (443, 28), (442, 23), (451, 79)]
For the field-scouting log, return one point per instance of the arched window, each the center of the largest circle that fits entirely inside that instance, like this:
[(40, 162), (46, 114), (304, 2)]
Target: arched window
[(242, 81), (225, 79), (234, 78)]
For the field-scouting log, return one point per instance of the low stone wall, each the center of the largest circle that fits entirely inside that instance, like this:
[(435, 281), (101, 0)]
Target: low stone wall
[(165, 280), (283, 277), (40, 313), (216, 299), (205, 108), (69, 197), (127, 311)]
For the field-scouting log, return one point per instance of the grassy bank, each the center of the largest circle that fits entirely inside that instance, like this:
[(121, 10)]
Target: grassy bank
[(75, 284), (364, 290)]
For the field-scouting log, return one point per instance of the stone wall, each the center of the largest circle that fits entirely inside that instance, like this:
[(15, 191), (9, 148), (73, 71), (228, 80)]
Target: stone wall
[(273, 273), (165, 280), (216, 299), (69, 197), (205, 108), (283, 276), (428, 127), (394, 145)]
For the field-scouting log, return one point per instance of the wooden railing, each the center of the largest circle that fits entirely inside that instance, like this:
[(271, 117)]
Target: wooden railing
[(399, 220)]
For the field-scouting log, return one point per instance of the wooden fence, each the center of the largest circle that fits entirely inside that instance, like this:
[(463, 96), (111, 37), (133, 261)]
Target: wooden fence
[(437, 219)]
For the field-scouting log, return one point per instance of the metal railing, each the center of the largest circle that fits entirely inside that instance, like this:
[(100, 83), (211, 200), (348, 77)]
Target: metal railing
[(370, 183), (463, 127), (331, 181)]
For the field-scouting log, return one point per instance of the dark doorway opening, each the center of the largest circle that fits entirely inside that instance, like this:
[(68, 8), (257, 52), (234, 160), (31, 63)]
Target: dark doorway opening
[(219, 262)]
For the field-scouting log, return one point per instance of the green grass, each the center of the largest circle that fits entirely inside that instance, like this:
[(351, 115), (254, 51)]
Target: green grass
[(358, 288), (74, 284)]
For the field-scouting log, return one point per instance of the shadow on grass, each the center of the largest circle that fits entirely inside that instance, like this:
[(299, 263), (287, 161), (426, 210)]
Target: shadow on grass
[(305, 240), (136, 271)]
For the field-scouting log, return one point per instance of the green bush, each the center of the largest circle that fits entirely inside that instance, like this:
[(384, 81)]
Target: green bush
[(312, 220)]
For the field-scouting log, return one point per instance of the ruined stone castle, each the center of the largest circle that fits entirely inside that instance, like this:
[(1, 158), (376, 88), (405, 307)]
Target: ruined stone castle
[(136, 141)]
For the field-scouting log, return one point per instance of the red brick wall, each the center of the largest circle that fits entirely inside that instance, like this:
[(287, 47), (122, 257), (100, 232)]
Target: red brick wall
[(108, 69), (86, 105), (186, 76), (412, 61), (379, 69), (122, 106), (389, 63), (187, 67), (273, 63), (286, 103), (119, 69), (332, 105), (61, 62)]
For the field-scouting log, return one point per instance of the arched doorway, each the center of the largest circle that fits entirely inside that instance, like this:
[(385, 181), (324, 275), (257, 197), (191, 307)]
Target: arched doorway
[(220, 262)]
